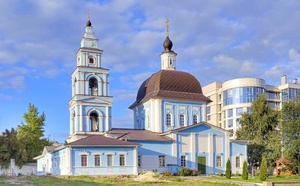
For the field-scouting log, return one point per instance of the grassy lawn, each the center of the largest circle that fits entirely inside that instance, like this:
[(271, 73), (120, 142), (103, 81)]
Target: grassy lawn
[(173, 180), (274, 179), (91, 181)]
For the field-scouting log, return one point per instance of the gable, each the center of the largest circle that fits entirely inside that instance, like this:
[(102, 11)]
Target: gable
[(202, 129)]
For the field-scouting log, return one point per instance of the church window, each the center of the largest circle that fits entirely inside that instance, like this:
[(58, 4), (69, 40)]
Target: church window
[(94, 122), (91, 60), (109, 160), (83, 160), (208, 118), (168, 119), (219, 161), (195, 119), (161, 161), (183, 161), (181, 120), (138, 124), (97, 160), (122, 160), (171, 62), (139, 161), (93, 87), (237, 161)]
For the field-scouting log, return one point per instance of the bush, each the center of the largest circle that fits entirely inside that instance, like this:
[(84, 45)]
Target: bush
[(166, 174), (184, 171), (263, 170), (245, 171), (228, 169)]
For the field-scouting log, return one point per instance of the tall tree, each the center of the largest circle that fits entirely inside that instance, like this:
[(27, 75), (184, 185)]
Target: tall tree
[(245, 171), (263, 170), (291, 131), (32, 132), (11, 148), (260, 127), (228, 169)]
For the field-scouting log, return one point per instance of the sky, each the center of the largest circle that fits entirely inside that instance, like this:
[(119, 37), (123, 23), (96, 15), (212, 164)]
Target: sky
[(215, 40)]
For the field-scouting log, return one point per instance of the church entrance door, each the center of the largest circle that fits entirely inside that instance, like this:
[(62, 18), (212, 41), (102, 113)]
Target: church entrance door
[(202, 164)]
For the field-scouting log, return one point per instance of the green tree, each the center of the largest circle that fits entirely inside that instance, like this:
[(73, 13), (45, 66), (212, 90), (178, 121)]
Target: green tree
[(245, 171), (260, 128), (291, 131), (11, 148), (228, 169), (32, 132), (263, 170)]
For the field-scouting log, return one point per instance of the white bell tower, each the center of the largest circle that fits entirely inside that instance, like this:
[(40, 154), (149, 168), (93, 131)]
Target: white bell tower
[(90, 106)]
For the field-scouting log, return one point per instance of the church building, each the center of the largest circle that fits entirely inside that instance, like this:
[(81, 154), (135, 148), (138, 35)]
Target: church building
[(169, 127)]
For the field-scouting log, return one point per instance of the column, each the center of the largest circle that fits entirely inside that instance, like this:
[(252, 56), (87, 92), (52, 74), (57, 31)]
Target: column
[(210, 153), (135, 159), (69, 160), (80, 118), (193, 149), (107, 118)]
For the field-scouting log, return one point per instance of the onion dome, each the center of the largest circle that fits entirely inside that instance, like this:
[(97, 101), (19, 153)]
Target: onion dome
[(167, 44), (88, 23), (171, 85)]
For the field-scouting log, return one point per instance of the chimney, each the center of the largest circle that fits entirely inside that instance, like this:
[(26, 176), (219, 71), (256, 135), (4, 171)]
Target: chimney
[(283, 80)]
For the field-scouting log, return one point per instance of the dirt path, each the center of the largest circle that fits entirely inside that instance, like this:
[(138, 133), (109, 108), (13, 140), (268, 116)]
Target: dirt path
[(18, 180)]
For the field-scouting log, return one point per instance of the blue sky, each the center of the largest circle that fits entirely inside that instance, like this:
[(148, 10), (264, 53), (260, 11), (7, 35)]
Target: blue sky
[(215, 40)]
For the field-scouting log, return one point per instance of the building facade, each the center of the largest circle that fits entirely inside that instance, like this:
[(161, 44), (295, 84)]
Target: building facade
[(169, 131), (233, 97)]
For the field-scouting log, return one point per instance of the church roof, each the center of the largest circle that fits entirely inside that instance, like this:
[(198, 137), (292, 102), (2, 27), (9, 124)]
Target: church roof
[(50, 148), (99, 140), (139, 134), (170, 84)]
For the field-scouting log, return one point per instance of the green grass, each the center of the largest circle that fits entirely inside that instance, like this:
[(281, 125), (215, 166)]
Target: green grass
[(274, 179), (124, 181), (91, 181)]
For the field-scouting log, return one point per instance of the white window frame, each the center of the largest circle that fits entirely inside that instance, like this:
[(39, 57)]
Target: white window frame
[(120, 162), (168, 119), (112, 160), (84, 164), (238, 161), (161, 161), (180, 120), (219, 161), (96, 162), (183, 161), (195, 116)]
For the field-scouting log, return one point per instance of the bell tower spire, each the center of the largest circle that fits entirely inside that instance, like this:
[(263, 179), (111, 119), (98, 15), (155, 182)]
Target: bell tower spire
[(168, 56), (91, 103)]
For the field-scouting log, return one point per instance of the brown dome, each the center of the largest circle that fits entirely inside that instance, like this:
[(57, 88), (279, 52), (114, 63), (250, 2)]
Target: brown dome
[(170, 84)]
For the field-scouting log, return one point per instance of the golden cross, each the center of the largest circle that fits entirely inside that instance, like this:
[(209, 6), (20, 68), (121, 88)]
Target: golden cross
[(167, 27), (89, 14)]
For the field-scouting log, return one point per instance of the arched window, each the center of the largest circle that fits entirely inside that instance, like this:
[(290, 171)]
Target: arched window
[(94, 122), (181, 120), (195, 119), (91, 60), (93, 86), (168, 119)]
